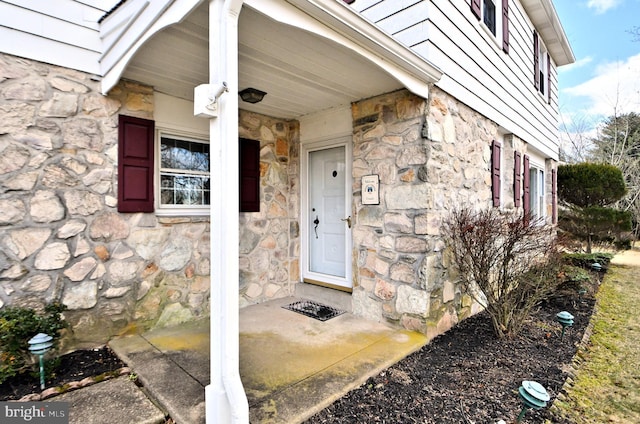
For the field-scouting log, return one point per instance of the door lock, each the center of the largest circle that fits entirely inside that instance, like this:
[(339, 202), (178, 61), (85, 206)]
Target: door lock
[(347, 220)]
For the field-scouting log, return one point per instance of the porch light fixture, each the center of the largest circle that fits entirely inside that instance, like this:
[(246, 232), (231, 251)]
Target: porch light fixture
[(251, 95)]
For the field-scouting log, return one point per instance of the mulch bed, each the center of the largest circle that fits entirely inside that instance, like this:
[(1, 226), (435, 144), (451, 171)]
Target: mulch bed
[(73, 367), (465, 376), (469, 376)]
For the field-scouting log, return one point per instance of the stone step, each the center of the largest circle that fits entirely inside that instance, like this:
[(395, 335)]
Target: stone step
[(330, 297)]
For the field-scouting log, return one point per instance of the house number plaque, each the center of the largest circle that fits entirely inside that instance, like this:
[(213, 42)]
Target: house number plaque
[(370, 190)]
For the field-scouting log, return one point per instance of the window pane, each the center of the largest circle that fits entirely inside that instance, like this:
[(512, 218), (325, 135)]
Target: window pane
[(184, 169), (179, 189), (537, 193), (184, 155), (489, 14)]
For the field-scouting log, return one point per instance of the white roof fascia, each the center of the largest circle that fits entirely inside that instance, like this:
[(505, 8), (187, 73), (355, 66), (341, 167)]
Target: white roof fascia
[(550, 28)]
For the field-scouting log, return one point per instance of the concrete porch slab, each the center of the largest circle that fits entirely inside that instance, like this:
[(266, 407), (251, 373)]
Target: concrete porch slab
[(291, 366)]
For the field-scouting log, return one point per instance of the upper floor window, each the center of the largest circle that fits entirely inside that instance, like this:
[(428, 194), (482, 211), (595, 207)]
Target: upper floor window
[(489, 14), (183, 172), (542, 67)]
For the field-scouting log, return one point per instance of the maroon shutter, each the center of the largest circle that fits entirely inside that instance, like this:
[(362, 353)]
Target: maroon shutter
[(475, 8), (249, 175), (548, 79), (505, 26), (554, 196), (517, 178), (526, 196), (536, 61), (495, 172), (135, 164)]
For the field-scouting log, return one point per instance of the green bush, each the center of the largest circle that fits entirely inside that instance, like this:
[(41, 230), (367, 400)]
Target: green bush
[(585, 191), (574, 278), (585, 260), (17, 326), (590, 184)]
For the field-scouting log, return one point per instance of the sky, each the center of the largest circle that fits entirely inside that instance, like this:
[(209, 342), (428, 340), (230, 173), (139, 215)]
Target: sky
[(605, 79)]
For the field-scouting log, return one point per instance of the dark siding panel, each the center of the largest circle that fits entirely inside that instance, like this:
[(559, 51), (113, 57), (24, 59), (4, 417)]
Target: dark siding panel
[(505, 26), (526, 197), (554, 196), (536, 61), (496, 147), (249, 175), (517, 179), (135, 164), (475, 7), (548, 79)]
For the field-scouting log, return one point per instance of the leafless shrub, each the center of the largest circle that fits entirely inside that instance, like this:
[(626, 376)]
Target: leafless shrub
[(507, 263)]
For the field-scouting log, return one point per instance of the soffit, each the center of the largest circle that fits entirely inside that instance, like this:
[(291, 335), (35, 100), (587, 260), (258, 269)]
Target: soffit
[(545, 19), (301, 72)]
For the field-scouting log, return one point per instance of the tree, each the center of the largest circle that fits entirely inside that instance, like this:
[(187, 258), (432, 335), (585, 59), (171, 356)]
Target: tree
[(618, 143), (577, 139), (585, 190)]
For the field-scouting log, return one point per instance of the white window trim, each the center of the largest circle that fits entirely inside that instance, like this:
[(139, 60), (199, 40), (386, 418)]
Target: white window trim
[(175, 210), (497, 38), (538, 206)]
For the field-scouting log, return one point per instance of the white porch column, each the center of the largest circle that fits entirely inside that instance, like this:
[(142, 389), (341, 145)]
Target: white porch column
[(226, 401)]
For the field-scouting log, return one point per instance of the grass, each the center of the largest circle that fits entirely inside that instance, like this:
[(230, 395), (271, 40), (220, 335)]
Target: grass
[(606, 386)]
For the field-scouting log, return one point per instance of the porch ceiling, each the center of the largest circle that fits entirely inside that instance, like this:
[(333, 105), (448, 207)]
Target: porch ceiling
[(301, 72)]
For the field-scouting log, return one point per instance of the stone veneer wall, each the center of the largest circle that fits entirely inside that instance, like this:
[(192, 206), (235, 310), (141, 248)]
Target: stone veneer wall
[(270, 239), (432, 157), (61, 238)]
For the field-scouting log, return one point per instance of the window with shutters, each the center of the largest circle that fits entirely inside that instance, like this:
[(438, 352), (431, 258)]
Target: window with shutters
[(494, 17), (184, 174), (542, 67)]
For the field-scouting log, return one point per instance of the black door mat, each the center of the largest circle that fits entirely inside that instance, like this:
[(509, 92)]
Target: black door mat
[(314, 310)]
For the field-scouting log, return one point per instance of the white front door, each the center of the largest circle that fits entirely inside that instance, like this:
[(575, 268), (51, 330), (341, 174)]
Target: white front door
[(328, 218)]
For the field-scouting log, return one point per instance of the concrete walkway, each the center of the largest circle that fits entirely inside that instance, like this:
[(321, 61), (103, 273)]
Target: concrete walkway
[(291, 365)]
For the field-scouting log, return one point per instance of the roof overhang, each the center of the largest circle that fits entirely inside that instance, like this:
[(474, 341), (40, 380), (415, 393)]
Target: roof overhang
[(125, 30), (545, 19), (138, 22), (336, 21)]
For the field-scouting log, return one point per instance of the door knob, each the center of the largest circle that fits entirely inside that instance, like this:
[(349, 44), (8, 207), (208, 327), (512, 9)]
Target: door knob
[(316, 221), (347, 220)]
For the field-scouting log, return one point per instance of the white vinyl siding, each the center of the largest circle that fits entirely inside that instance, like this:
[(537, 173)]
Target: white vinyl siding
[(476, 70), (59, 32)]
